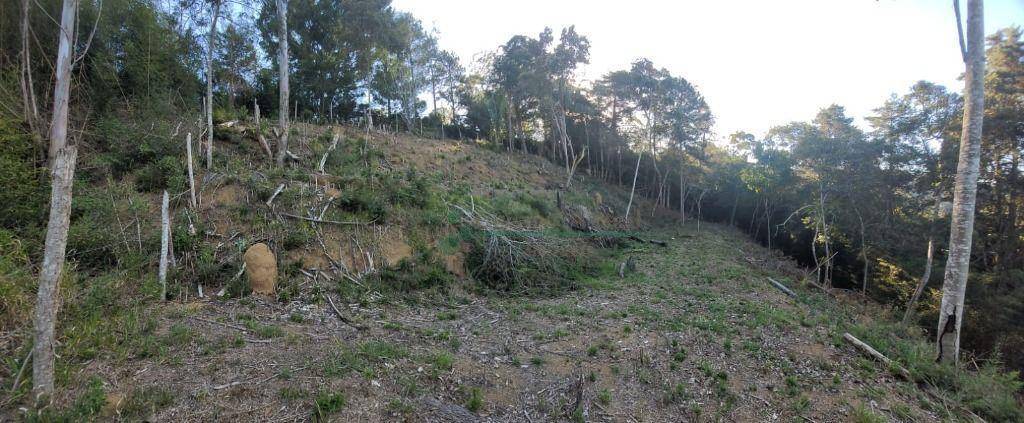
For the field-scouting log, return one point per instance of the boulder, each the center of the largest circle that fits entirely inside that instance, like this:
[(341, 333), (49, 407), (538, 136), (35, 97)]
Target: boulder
[(261, 268)]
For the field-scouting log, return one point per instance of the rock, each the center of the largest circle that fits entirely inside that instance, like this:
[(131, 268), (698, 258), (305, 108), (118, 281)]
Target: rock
[(261, 268)]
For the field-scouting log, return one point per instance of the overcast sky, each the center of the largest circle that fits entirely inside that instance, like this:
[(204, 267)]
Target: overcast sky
[(759, 63)]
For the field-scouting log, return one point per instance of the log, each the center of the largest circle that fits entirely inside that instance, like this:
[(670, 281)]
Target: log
[(782, 287), (165, 240), (865, 348)]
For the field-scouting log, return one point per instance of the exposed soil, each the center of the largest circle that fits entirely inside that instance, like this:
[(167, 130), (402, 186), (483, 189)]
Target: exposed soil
[(694, 335)]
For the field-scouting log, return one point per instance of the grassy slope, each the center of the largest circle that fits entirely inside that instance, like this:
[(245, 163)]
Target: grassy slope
[(694, 334)]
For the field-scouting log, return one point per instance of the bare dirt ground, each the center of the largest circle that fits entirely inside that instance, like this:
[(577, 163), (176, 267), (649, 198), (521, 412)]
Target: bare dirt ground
[(696, 334)]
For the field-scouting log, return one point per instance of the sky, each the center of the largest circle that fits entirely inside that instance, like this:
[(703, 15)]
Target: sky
[(758, 63)]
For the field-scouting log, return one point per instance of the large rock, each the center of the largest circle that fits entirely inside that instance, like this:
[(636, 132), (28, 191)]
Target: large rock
[(261, 268)]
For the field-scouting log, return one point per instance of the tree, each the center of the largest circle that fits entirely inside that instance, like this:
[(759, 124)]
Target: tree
[(282, 63), (954, 284), (236, 62), (210, 43), (62, 171)]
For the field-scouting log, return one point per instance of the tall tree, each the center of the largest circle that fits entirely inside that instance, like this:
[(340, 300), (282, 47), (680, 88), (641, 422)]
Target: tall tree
[(954, 284), (62, 171), (210, 43)]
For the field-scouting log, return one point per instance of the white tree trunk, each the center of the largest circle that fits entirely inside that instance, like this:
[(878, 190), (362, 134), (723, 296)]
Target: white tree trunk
[(62, 88), (62, 174), (27, 87), (954, 283), (165, 241), (632, 191), (259, 131), (191, 174), (215, 11), (282, 62), (920, 284)]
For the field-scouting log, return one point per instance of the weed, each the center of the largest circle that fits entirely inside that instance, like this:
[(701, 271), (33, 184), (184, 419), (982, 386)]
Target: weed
[(475, 401), (327, 403)]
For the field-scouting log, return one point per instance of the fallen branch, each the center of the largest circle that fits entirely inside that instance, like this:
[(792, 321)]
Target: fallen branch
[(649, 241), (333, 222), (274, 195), (323, 160), (21, 371), (899, 370), (782, 287), (344, 319)]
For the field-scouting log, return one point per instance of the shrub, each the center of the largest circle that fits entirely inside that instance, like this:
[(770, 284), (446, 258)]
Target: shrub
[(168, 173), (422, 271)]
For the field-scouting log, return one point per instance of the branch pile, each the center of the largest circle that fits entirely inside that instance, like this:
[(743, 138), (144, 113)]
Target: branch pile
[(512, 259)]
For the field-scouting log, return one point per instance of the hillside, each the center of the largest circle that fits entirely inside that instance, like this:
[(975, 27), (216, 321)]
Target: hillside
[(406, 332)]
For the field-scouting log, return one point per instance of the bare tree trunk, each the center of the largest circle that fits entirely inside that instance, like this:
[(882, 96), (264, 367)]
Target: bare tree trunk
[(864, 253), (921, 284), (62, 88), (165, 239), (27, 87), (954, 283), (63, 158), (259, 131), (62, 176), (636, 172), (700, 199), (282, 62), (191, 173), (215, 9)]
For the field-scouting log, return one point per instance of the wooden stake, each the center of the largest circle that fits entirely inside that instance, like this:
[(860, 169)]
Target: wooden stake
[(165, 239)]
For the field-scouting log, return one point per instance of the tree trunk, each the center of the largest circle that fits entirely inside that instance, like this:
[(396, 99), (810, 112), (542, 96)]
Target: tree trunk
[(215, 11), (191, 174), (636, 172), (62, 88), (954, 283), (62, 175), (921, 284), (282, 62), (28, 95), (165, 239)]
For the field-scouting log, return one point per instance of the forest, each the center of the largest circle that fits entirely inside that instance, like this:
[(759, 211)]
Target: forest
[(865, 210)]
